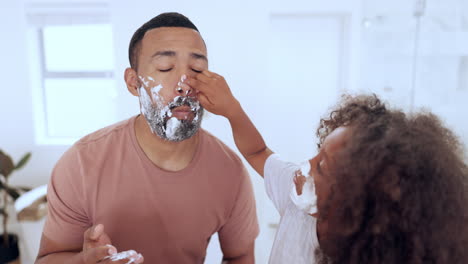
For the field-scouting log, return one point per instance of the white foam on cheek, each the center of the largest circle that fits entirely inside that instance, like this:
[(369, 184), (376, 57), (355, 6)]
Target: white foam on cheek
[(155, 94), (171, 127), (144, 81), (154, 90), (145, 101)]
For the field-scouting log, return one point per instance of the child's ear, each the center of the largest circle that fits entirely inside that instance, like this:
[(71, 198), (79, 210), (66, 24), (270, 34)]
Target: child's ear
[(132, 81)]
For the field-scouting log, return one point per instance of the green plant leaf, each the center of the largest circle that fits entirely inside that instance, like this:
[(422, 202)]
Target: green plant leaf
[(23, 161), (6, 164)]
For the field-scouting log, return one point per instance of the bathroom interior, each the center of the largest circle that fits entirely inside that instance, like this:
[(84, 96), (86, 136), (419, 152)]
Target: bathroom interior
[(280, 58)]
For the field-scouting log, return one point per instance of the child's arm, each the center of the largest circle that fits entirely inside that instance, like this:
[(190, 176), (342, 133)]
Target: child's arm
[(215, 96)]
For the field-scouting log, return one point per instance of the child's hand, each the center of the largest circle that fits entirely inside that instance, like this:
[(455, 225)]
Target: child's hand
[(213, 93), (299, 181)]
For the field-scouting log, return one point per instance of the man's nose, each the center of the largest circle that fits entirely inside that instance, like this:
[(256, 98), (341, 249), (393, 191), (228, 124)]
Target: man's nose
[(182, 89)]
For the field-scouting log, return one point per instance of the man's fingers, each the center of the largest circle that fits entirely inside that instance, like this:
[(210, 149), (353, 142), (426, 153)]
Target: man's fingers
[(95, 237), (97, 232), (97, 254), (87, 233), (93, 233)]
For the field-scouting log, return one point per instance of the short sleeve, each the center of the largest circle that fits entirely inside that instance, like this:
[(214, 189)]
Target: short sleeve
[(279, 177), (241, 228), (66, 219)]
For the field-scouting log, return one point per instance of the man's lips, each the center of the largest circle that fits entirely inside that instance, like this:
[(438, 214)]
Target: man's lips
[(182, 112), (181, 109)]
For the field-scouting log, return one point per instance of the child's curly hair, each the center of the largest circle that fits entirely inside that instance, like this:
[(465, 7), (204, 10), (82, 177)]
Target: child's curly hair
[(400, 186)]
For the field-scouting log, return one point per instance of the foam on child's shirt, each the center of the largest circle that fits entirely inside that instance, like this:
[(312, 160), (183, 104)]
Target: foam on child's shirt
[(307, 201)]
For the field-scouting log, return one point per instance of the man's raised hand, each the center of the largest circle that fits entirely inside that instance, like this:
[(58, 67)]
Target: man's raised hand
[(97, 248)]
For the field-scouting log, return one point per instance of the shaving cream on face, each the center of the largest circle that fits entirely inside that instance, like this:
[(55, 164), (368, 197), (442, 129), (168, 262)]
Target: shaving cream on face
[(155, 94), (145, 104), (159, 115), (171, 126), (307, 201), (144, 81)]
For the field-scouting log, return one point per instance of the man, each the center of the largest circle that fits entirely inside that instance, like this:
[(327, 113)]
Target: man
[(155, 183)]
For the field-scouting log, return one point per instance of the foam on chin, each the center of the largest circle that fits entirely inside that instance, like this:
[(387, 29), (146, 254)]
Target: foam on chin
[(160, 118), (171, 127)]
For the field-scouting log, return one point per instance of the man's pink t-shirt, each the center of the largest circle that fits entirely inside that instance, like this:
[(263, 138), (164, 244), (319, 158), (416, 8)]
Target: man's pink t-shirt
[(168, 217)]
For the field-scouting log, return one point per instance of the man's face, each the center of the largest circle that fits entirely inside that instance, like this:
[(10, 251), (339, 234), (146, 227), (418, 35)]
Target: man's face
[(166, 57)]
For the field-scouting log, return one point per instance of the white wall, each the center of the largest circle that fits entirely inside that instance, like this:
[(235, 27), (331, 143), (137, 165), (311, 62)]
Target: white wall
[(440, 71), (239, 37)]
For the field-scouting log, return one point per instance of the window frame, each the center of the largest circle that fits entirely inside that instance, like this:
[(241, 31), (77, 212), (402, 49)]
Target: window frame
[(44, 15)]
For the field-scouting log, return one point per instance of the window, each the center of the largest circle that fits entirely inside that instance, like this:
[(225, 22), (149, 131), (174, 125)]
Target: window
[(73, 72)]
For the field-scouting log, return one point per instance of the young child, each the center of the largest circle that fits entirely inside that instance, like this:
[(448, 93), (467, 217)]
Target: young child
[(289, 186)]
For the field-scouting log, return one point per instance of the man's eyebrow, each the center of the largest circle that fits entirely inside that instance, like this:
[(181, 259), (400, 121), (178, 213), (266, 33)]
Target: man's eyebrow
[(170, 53), (167, 53), (198, 56)]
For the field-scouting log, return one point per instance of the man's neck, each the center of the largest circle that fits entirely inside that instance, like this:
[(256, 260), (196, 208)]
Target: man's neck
[(167, 155)]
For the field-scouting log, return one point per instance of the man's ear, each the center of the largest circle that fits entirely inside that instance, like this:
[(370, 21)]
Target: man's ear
[(132, 81)]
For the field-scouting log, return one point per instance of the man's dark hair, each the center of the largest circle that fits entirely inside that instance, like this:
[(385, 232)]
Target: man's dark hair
[(399, 188), (170, 19)]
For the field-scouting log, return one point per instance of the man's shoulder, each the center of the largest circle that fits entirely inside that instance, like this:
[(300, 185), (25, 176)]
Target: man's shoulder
[(99, 141), (118, 129)]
